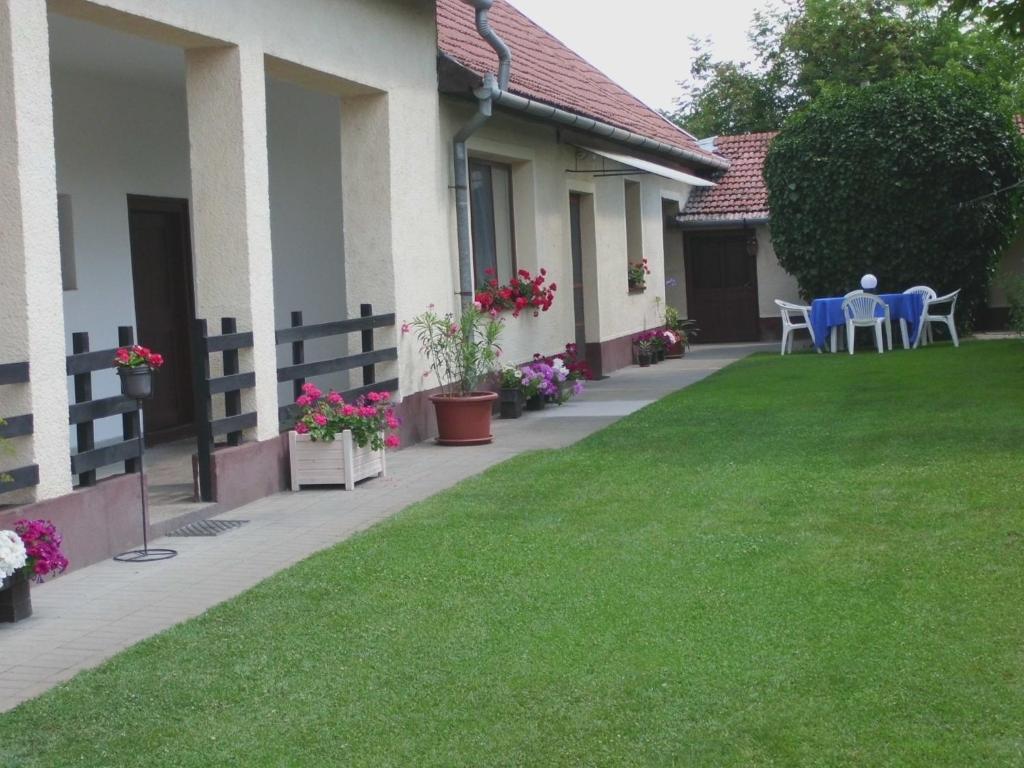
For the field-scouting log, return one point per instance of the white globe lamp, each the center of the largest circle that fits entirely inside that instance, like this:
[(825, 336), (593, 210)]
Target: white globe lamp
[(869, 282)]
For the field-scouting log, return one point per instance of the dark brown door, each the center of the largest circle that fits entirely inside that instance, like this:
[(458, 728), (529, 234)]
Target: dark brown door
[(576, 236), (721, 286), (162, 276)]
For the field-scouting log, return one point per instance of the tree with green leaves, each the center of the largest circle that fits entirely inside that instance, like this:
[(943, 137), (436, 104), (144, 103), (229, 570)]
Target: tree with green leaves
[(805, 47), (914, 179), (1006, 15)]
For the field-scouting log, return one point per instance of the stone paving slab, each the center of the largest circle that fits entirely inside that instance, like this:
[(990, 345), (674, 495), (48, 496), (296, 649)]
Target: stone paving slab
[(83, 618)]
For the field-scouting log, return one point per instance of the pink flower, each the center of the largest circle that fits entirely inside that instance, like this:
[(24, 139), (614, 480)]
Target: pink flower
[(385, 396), (304, 400), (392, 441), (392, 421), (373, 397), (494, 313), (312, 391), (301, 427), (334, 398), (368, 411), (320, 419), (477, 306), (348, 410), (453, 329), (406, 328)]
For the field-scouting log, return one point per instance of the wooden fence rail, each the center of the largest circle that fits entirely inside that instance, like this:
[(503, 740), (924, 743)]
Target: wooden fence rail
[(17, 426), (366, 359), (83, 413), (230, 385)]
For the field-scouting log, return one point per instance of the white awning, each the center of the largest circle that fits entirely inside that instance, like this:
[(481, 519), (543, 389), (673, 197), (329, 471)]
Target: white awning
[(646, 167)]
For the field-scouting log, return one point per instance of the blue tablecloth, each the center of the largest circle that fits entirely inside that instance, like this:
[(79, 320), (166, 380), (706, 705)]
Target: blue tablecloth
[(828, 313)]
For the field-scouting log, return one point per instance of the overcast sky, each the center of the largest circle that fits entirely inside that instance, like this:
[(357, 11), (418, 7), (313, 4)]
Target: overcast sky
[(642, 44)]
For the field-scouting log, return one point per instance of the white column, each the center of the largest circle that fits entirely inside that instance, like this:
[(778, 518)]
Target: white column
[(367, 203), (227, 127), (31, 298)]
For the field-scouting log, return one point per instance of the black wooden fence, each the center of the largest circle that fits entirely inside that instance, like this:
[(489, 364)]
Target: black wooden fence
[(366, 359), (230, 384), (84, 411), (17, 426)]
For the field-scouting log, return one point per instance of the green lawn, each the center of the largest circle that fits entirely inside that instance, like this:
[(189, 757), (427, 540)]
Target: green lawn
[(812, 560)]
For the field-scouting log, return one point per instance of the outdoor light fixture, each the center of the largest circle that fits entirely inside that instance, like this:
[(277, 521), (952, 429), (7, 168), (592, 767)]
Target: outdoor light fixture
[(869, 282)]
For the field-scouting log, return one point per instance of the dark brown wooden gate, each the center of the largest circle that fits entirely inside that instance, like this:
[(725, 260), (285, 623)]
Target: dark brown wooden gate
[(721, 285)]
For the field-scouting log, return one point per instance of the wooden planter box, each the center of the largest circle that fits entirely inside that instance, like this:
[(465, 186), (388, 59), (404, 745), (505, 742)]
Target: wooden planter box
[(337, 462)]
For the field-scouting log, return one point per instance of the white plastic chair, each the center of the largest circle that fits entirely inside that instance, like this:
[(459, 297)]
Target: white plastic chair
[(860, 310), (927, 294), (928, 317), (803, 315)]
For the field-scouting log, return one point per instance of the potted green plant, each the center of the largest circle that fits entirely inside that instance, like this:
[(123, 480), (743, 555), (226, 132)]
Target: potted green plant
[(335, 442), (636, 275), (683, 329), (135, 365), (461, 352), (644, 343), (512, 399)]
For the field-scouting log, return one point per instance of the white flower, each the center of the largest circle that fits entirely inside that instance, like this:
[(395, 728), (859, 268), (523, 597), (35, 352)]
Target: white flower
[(12, 553)]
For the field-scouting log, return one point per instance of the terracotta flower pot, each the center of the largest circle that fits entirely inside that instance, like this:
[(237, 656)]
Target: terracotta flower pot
[(136, 383), (464, 420), (675, 350)]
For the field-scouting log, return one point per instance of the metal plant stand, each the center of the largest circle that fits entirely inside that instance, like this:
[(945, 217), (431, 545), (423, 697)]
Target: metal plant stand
[(146, 554)]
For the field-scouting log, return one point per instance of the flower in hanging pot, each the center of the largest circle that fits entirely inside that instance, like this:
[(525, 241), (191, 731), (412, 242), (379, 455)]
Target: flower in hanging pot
[(461, 351), (135, 365)]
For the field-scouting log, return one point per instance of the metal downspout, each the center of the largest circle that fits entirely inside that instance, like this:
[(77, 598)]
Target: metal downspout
[(460, 157)]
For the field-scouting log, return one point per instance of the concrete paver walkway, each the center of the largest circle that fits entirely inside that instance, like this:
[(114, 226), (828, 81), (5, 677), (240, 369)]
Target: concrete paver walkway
[(87, 616)]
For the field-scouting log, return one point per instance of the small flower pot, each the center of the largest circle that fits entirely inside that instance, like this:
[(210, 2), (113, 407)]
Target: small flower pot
[(536, 402), (464, 420), (659, 355), (332, 462), (136, 383), (637, 287), (643, 359), (511, 403), (15, 597)]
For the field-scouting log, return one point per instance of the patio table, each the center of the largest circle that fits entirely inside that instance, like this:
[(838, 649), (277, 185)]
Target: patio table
[(827, 316)]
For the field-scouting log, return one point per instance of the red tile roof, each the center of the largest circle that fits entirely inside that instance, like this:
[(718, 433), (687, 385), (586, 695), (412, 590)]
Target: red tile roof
[(543, 68), (740, 192)]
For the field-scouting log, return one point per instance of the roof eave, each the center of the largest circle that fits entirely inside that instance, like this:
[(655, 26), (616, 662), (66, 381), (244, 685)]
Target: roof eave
[(455, 79)]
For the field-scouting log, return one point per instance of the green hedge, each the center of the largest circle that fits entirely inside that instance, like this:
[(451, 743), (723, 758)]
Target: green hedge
[(880, 179)]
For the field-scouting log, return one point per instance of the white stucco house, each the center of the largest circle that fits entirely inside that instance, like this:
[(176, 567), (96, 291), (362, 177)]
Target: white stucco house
[(167, 161)]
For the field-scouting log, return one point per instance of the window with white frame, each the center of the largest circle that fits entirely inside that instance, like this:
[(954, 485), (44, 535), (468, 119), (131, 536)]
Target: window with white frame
[(490, 204)]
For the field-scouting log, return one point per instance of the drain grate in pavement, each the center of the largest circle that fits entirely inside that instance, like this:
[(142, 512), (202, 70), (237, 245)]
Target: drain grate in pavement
[(208, 527)]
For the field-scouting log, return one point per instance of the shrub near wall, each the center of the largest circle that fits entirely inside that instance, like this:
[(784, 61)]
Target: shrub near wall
[(886, 179)]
